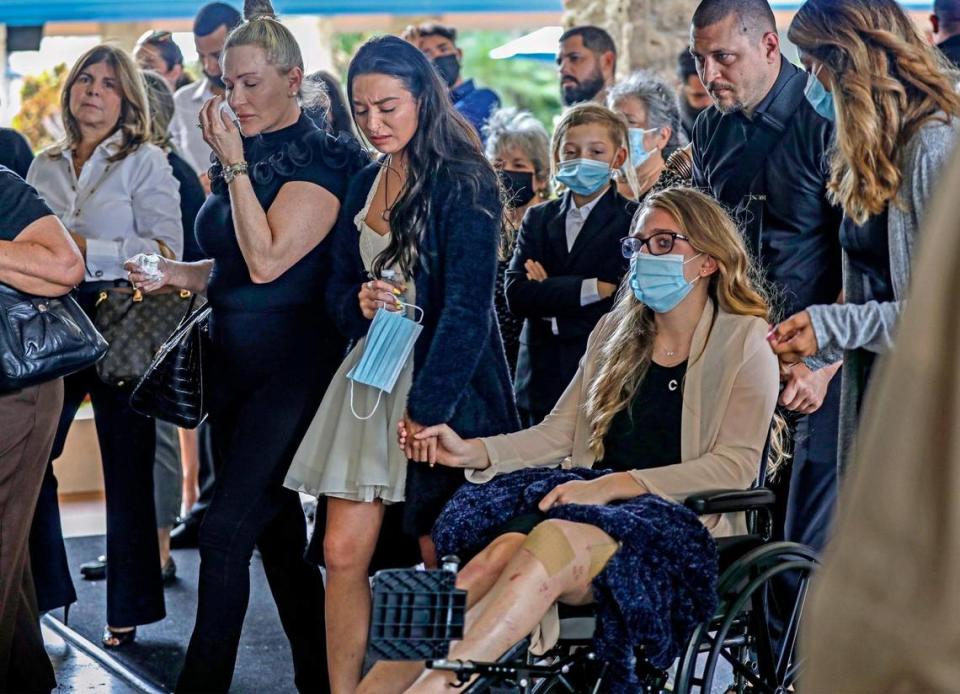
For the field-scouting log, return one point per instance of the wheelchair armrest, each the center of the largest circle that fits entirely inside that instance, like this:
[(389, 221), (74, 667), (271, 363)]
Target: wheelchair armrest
[(730, 500)]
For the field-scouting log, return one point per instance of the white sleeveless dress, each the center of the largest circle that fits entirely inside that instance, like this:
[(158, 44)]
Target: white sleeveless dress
[(343, 456)]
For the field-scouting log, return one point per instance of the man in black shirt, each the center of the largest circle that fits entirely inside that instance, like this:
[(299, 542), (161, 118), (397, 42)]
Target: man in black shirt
[(15, 152), (946, 28), (762, 151)]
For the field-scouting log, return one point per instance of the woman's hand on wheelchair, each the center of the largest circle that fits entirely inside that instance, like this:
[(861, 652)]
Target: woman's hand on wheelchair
[(613, 487), (440, 444)]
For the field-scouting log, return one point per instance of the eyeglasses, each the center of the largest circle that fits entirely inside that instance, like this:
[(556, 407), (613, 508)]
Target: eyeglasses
[(155, 36), (660, 243)]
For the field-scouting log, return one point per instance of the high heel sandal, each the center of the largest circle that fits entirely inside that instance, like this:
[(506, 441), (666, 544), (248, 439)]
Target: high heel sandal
[(117, 639)]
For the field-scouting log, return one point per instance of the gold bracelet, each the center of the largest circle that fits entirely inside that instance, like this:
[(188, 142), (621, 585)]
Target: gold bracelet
[(234, 170)]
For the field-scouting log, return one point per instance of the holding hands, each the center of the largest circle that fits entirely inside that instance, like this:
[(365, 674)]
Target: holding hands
[(794, 338), (440, 444)]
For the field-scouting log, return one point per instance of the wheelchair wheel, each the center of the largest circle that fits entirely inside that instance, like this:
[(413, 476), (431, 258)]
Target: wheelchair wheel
[(740, 630)]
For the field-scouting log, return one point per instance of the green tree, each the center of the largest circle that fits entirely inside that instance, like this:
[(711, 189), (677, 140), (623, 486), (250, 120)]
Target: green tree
[(39, 111)]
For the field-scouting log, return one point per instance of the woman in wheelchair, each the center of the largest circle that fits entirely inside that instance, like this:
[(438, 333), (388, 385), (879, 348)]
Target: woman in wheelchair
[(674, 396)]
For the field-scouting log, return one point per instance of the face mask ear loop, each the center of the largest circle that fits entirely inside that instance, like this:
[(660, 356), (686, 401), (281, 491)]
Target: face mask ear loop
[(415, 309), (372, 412)]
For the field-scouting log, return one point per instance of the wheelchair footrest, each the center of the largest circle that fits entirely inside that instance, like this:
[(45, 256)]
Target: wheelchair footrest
[(415, 614)]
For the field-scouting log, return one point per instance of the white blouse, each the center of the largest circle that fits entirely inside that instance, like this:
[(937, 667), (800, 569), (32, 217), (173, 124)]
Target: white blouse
[(121, 208)]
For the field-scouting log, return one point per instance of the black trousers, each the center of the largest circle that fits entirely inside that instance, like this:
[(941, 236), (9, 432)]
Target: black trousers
[(264, 397), (127, 442)]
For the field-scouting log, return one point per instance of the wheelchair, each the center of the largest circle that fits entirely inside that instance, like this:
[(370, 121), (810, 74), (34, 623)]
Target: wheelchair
[(417, 613)]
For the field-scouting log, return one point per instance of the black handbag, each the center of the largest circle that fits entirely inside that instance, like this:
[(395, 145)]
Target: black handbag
[(171, 389), (43, 339), (135, 325)]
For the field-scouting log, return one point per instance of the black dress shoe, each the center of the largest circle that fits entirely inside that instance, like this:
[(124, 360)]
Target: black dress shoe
[(94, 570), (186, 535), (169, 571)]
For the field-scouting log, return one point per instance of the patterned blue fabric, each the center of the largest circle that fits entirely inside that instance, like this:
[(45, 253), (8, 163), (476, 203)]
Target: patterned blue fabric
[(655, 590)]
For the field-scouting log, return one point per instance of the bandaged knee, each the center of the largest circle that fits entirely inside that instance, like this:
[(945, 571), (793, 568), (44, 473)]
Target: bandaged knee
[(600, 554), (550, 545)]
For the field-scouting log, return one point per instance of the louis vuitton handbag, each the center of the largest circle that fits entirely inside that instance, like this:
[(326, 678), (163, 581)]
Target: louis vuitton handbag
[(171, 389), (136, 326)]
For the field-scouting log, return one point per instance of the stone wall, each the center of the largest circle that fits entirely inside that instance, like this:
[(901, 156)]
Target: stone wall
[(648, 33)]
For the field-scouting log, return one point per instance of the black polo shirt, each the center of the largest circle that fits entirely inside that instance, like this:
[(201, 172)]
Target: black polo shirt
[(799, 242)]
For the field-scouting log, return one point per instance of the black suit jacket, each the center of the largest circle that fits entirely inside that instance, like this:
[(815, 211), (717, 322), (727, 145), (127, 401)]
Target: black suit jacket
[(548, 362)]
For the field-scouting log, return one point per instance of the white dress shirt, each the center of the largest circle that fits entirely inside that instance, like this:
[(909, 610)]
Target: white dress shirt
[(121, 208), (575, 219), (187, 137)]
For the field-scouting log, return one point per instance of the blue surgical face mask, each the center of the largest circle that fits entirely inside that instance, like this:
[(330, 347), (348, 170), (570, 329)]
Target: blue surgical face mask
[(390, 340), (819, 97), (638, 150), (658, 281), (583, 176)]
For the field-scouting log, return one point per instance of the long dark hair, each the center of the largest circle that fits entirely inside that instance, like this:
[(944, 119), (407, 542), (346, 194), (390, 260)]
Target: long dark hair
[(445, 147)]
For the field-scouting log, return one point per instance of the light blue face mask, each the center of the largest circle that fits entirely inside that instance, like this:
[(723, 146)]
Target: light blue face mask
[(638, 150), (583, 176), (819, 97), (390, 340), (658, 281)]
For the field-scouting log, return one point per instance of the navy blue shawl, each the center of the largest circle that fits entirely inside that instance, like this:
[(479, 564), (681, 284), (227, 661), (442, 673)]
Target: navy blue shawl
[(653, 593)]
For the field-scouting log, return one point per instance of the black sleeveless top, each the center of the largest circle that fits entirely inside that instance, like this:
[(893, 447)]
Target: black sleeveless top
[(299, 152)]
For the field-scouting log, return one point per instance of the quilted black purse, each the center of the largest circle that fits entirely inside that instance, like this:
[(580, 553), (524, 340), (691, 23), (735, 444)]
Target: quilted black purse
[(135, 325), (171, 389), (43, 339)]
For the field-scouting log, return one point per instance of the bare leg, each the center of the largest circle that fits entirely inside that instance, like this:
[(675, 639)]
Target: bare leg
[(163, 539), (477, 577), (348, 545), (190, 462), (532, 581)]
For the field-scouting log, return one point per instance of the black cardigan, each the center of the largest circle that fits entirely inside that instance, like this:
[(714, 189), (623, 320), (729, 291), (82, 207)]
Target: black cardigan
[(460, 372)]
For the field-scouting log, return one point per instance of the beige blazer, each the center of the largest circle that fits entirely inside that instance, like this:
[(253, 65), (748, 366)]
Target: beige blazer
[(729, 394)]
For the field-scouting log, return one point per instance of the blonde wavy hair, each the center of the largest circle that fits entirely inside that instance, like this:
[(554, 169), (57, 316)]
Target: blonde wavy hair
[(626, 343), (134, 121), (586, 114), (887, 81)]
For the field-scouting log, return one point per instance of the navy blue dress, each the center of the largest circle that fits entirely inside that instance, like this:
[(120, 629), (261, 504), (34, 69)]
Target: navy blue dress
[(273, 353), (460, 372)]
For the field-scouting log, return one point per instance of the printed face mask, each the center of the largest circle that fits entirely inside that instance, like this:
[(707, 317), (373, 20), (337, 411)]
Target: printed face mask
[(583, 176), (658, 281), (518, 186)]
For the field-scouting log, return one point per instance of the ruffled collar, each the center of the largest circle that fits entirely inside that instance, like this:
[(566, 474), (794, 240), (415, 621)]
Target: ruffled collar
[(282, 152)]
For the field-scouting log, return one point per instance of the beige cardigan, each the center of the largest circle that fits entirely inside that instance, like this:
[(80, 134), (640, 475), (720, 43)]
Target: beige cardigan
[(729, 394)]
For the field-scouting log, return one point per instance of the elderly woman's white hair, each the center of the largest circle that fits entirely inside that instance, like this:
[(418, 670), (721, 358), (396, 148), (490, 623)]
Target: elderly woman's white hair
[(659, 100)]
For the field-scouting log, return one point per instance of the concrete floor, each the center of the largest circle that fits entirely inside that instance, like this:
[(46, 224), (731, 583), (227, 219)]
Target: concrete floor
[(78, 672)]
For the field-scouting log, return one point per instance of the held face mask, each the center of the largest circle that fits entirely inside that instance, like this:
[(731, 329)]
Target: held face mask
[(583, 176), (819, 97), (390, 340), (658, 281)]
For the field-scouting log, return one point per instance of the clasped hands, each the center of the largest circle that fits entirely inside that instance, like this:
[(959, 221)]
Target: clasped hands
[(793, 340), (440, 444)]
